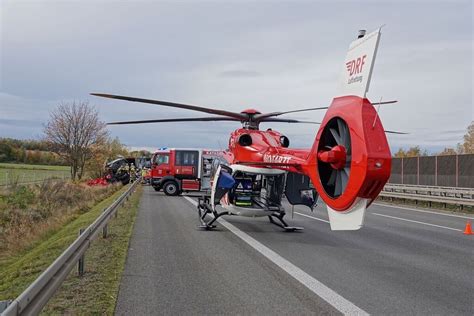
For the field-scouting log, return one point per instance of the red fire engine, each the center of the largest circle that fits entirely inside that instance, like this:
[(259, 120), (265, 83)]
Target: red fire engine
[(182, 169)]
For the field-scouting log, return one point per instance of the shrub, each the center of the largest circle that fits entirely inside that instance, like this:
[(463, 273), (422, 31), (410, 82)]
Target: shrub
[(29, 211), (21, 197)]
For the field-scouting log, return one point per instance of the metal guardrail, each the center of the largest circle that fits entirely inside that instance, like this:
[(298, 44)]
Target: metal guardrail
[(444, 195), (35, 297)]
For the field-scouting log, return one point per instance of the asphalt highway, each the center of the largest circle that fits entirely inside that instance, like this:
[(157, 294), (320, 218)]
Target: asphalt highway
[(402, 262)]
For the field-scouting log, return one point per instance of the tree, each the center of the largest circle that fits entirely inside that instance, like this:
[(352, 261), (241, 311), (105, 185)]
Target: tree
[(467, 147), (414, 151), (73, 131), (140, 153), (6, 152), (109, 150), (448, 151)]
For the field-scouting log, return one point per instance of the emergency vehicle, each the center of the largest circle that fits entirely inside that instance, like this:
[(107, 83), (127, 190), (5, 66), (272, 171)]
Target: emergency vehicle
[(177, 170)]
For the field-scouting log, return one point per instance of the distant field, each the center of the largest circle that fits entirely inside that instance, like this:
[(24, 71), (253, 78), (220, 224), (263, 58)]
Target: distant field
[(23, 173), (36, 167)]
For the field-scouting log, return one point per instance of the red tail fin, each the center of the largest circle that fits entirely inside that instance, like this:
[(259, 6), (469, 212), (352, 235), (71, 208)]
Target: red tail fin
[(350, 158)]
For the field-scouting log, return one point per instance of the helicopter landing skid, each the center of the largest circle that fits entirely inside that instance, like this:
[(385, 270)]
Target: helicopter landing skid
[(282, 222), (203, 210)]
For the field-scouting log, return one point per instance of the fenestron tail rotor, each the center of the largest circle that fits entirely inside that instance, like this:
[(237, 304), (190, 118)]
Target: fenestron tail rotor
[(334, 155)]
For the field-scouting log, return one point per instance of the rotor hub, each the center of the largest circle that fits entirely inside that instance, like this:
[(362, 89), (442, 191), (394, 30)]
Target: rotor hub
[(251, 111), (336, 157)]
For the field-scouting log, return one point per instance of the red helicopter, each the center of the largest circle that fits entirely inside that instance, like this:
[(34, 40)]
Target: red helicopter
[(348, 164)]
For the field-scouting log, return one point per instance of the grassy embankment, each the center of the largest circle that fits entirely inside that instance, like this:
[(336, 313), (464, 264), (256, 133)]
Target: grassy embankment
[(96, 292), (104, 263), (23, 173), (30, 212)]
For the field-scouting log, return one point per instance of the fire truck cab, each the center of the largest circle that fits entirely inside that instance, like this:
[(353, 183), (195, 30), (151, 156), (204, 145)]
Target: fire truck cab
[(177, 170)]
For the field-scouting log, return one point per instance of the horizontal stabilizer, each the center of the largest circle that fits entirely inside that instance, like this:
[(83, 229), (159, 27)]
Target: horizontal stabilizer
[(352, 219), (395, 132), (385, 102)]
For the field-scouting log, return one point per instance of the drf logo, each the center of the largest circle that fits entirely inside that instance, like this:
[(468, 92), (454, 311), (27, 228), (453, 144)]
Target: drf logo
[(355, 66)]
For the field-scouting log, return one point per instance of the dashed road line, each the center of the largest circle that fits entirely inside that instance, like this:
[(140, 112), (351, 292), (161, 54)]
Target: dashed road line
[(334, 299), (316, 218), (418, 222), (423, 211)]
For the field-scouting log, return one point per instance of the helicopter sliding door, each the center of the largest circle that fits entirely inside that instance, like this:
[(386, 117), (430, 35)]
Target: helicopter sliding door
[(222, 181), (298, 190), (274, 186)]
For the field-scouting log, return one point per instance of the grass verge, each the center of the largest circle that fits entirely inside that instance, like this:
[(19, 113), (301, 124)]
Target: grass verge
[(18, 271), (96, 292)]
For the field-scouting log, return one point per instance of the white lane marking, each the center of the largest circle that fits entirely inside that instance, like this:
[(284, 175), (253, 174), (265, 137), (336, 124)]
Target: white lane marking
[(318, 219), (423, 223), (337, 301), (423, 211)]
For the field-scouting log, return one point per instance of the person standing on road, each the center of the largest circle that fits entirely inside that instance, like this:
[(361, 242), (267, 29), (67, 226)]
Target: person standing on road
[(133, 175)]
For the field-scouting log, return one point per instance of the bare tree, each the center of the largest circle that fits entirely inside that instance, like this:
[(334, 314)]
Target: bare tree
[(73, 130), (448, 151), (468, 146)]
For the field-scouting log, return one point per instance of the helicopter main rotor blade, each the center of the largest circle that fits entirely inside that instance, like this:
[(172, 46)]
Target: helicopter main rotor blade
[(194, 119), (287, 121), (240, 116), (259, 117)]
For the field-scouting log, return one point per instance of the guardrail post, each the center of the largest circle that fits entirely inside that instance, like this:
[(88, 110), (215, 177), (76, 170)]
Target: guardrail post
[(80, 264), (418, 170), (104, 231), (402, 171), (457, 170)]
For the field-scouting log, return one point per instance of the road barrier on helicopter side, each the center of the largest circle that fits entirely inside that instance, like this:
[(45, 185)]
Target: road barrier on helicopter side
[(35, 297), (444, 195)]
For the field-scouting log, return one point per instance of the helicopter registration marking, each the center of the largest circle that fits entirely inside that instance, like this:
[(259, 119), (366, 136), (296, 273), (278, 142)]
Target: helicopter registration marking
[(275, 158)]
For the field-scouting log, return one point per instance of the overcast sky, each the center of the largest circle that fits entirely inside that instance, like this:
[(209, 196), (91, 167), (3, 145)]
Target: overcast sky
[(234, 55)]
